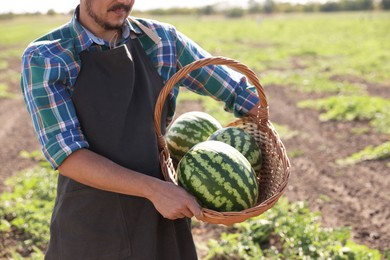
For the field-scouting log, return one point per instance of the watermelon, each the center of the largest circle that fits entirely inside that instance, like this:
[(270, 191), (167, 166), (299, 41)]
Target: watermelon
[(188, 130), (242, 141), (219, 176)]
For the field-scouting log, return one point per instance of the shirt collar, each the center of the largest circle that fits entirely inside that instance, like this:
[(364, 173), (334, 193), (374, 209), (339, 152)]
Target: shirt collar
[(84, 38)]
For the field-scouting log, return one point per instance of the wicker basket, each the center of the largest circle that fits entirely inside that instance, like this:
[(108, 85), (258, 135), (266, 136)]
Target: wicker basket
[(275, 172)]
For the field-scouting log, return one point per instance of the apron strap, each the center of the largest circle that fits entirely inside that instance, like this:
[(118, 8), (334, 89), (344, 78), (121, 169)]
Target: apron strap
[(153, 36)]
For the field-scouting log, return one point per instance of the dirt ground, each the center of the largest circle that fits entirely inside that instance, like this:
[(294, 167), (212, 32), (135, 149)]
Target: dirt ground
[(16, 134), (356, 196)]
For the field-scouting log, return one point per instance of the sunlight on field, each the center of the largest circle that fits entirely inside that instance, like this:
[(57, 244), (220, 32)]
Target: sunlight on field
[(353, 43), (22, 30), (329, 59)]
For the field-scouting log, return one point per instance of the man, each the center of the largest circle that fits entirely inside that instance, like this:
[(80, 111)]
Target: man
[(90, 87)]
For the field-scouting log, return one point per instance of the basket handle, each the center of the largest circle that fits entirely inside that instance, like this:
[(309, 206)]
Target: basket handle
[(250, 74)]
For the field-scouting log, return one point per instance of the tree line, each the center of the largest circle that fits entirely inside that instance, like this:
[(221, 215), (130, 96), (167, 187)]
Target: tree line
[(271, 6), (260, 6)]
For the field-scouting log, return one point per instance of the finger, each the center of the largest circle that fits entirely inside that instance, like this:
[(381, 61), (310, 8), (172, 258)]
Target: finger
[(180, 216), (186, 212), (174, 217), (200, 216), (196, 210)]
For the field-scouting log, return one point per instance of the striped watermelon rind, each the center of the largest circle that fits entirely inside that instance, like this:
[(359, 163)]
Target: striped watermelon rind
[(219, 176), (188, 130), (243, 142)]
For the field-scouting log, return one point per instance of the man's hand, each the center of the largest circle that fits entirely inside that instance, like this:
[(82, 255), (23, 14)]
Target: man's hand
[(96, 171), (174, 202)]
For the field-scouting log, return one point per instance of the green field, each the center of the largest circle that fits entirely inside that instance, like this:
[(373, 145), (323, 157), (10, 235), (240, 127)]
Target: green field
[(276, 46), (338, 56), (352, 43)]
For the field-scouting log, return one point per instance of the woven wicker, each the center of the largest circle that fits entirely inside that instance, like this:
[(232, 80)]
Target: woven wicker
[(275, 171)]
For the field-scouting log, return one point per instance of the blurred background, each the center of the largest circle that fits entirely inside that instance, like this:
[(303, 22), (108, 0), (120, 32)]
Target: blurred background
[(325, 69)]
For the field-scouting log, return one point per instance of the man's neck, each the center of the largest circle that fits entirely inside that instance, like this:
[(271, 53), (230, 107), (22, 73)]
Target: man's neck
[(97, 29), (99, 32)]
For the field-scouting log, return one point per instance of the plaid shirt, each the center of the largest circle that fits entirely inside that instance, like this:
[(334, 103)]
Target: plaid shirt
[(51, 64)]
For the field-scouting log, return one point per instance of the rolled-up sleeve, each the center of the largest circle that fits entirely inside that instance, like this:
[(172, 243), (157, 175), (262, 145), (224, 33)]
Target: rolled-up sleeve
[(43, 83), (220, 82)]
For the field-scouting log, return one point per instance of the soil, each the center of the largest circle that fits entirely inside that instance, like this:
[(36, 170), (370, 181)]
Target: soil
[(357, 196), (16, 134)]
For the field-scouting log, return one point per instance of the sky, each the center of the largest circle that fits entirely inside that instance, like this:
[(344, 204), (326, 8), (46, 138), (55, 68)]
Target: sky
[(32, 6)]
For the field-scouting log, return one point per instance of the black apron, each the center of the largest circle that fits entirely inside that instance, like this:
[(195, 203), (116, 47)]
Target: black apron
[(115, 96)]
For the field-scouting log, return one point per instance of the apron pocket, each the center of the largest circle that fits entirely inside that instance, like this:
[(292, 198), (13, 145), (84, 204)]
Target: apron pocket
[(91, 225)]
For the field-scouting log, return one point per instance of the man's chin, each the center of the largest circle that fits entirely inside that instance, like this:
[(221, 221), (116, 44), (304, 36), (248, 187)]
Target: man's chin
[(115, 26), (116, 23)]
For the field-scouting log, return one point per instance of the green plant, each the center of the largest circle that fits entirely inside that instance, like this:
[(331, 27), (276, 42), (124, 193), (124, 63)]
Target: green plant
[(4, 93), (206, 104), (36, 156), (3, 64), (323, 198), (23, 29), (368, 154), (285, 132), (233, 246), (36, 254), (360, 130), (287, 231), (309, 81), (387, 253), (25, 210), (303, 51), (348, 108), (294, 153)]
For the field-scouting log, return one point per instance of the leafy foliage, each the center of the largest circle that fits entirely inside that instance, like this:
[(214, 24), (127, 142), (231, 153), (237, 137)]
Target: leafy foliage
[(25, 211), (308, 46), (368, 154), (309, 81), (287, 231), (302, 51), (348, 108)]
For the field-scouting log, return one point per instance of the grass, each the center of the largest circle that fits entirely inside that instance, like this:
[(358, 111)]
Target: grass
[(294, 153), (360, 130), (314, 53), (369, 153), (285, 132), (287, 231), (15, 35), (3, 64), (209, 105), (348, 108), (25, 211), (4, 93), (302, 52), (308, 81), (20, 31), (216, 109), (10, 78), (322, 44)]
